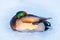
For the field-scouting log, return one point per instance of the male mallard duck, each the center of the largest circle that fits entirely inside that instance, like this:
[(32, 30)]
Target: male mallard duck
[(28, 22)]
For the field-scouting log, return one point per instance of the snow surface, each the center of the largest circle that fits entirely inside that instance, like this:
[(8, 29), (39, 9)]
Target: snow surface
[(44, 8)]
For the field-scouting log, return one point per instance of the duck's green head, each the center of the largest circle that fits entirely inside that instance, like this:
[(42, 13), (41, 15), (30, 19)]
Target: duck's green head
[(21, 14)]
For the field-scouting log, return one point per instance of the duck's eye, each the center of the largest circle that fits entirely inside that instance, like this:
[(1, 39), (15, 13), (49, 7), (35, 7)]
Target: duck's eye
[(20, 15)]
